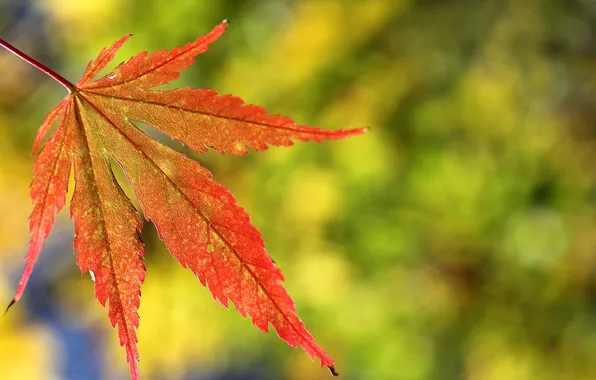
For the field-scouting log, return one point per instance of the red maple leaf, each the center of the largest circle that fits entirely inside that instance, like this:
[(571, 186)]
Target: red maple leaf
[(198, 219)]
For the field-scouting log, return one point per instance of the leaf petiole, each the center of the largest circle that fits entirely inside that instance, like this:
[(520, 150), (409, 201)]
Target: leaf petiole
[(57, 77)]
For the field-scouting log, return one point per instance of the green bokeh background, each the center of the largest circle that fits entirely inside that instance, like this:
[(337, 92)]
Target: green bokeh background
[(455, 240)]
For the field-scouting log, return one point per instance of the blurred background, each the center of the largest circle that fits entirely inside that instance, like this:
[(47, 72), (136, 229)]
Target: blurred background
[(455, 240)]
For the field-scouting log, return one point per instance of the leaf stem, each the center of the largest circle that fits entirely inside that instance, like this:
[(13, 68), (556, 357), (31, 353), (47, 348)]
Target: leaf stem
[(57, 77)]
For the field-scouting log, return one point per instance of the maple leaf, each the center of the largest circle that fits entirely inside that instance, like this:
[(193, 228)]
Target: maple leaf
[(198, 219)]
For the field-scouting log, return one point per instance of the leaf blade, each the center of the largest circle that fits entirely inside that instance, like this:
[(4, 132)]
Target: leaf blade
[(201, 118), (105, 56), (193, 212), (161, 67), (199, 219), (106, 236), (48, 187)]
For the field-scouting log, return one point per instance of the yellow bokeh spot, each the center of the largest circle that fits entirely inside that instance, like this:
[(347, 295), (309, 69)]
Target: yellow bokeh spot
[(79, 21), (323, 277), (313, 196)]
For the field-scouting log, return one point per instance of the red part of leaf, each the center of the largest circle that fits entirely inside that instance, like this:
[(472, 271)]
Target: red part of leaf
[(201, 118), (143, 71), (194, 213), (49, 186), (48, 122), (106, 55), (199, 220), (106, 235)]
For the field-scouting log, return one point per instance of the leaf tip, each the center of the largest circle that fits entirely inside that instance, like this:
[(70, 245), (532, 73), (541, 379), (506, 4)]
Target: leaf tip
[(356, 131), (332, 370), (12, 302)]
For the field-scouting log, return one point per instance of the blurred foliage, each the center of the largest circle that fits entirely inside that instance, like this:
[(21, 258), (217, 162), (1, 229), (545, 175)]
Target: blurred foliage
[(456, 240)]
